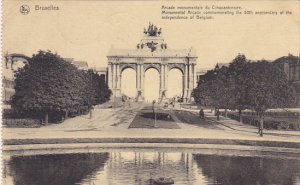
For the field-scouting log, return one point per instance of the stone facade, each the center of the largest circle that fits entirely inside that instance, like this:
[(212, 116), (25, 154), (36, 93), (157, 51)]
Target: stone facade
[(291, 66), (83, 65), (11, 63), (152, 52)]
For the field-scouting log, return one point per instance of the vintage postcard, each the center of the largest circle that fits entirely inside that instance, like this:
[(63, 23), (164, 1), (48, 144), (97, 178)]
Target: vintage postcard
[(99, 92)]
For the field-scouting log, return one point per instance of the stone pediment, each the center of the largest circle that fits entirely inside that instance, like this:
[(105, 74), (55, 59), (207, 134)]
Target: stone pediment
[(147, 53)]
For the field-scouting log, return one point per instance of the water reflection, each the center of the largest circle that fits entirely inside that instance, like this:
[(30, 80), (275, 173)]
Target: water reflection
[(249, 170), (136, 167), (55, 169)]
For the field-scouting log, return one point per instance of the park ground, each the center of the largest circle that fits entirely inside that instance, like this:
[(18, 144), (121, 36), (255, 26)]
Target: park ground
[(135, 124)]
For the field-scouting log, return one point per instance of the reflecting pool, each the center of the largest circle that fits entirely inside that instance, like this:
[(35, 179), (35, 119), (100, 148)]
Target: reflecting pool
[(137, 167)]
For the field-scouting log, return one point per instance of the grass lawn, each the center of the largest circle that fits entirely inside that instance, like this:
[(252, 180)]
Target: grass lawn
[(145, 119), (193, 118)]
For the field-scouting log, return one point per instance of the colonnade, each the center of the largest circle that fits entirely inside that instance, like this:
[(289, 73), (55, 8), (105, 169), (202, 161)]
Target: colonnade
[(189, 80)]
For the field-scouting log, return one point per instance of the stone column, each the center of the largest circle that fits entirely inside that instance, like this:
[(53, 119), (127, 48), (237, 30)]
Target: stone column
[(143, 81), (109, 73), (138, 77), (113, 83), (190, 81), (166, 77), (160, 79), (195, 76), (114, 80), (183, 89), (138, 81), (161, 82), (118, 81), (107, 76), (114, 75), (10, 63), (185, 82)]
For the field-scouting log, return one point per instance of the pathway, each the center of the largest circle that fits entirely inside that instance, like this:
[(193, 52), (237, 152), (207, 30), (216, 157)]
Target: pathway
[(114, 123)]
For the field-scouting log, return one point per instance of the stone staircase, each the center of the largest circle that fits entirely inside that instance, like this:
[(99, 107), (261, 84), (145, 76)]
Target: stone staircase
[(117, 102)]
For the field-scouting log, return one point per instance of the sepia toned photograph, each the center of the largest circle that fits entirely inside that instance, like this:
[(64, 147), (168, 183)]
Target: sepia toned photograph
[(134, 92)]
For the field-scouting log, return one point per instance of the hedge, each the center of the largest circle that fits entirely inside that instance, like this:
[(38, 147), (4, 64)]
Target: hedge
[(29, 123), (283, 123)]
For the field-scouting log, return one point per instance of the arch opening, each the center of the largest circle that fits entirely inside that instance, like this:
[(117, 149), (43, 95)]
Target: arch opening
[(128, 82), (152, 81), (175, 83)]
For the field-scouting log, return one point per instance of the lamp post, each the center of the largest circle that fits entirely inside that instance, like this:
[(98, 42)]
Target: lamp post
[(154, 112), (91, 87)]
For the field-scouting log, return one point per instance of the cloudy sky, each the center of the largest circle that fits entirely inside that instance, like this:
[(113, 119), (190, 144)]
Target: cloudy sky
[(85, 30)]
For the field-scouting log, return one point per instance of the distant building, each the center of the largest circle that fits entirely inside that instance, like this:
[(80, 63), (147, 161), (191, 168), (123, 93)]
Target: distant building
[(201, 72), (79, 64), (102, 72), (220, 65), (291, 66), (11, 64)]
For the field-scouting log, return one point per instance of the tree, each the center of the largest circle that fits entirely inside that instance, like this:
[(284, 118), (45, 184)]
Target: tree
[(268, 87), (98, 90), (202, 93), (237, 73), (225, 89), (49, 85), (246, 85), (214, 89)]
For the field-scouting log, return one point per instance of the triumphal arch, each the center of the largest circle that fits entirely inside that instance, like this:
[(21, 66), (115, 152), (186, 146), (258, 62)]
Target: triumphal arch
[(152, 52)]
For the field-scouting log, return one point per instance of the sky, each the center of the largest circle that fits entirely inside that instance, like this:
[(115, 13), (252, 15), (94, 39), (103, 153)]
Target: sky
[(86, 30)]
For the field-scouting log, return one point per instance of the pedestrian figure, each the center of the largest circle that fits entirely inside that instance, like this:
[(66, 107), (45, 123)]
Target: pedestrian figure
[(91, 112), (201, 114), (173, 102), (218, 114), (129, 104), (260, 127), (154, 112), (259, 130)]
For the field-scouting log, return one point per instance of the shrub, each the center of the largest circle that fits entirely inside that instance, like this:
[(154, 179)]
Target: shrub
[(279, 120), (29, 123)]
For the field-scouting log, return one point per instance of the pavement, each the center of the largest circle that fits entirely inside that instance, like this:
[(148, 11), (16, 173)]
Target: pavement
[(110, 125)]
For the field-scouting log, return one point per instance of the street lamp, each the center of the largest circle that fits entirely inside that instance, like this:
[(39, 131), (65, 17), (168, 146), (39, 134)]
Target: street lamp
[(154, 112), (91, 88)]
